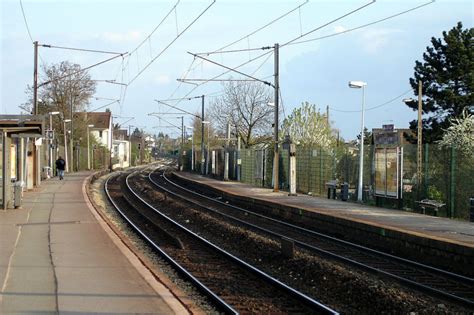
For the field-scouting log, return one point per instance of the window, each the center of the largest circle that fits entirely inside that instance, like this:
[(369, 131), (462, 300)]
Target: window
[(100, 133)]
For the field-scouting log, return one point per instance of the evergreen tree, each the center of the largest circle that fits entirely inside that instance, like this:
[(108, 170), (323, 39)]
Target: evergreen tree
[(447, 76)]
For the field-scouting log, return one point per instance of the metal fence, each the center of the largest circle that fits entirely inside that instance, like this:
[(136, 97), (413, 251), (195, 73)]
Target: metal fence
[(448, 175)]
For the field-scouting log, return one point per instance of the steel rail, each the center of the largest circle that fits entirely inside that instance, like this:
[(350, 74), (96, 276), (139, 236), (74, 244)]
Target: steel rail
[(201, 287), (426, 288), (300, 296)]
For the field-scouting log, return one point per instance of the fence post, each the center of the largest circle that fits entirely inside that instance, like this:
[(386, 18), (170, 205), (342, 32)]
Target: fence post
[(321, 183), (452, 182)]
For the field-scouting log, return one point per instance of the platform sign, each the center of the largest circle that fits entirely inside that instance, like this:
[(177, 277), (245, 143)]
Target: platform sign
[(49, 134), (387, 172)]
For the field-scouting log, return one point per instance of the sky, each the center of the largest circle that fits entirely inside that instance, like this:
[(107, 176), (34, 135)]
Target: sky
[(383, 54)]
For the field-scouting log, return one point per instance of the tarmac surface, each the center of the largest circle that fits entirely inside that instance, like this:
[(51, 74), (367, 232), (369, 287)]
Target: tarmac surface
[(58, 256)]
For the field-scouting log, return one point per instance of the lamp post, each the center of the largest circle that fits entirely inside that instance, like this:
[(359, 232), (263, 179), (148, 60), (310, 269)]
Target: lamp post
[(88, 148), (360, 85), (50, 150), (65, 143)]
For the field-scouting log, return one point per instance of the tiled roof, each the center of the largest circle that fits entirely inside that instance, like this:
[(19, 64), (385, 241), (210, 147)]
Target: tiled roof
[(100, 120), (120, 134)]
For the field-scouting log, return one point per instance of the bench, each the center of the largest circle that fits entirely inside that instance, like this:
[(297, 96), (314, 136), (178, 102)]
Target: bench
[(432, 205)]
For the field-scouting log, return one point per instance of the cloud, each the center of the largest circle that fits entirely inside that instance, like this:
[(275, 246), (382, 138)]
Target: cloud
[(377, 39), (162, 79), (129, 36), (339, 29)]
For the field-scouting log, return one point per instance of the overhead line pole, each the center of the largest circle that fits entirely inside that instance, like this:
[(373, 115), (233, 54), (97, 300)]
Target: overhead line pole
[(419, 137), (203, 159), (181, 158), (36, 166), (35, 81), (275, 132)]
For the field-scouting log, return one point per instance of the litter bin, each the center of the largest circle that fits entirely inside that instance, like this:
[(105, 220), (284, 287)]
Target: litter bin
[(17, 194), (344, 191), (471, 217), (46, 172), (331, 185)]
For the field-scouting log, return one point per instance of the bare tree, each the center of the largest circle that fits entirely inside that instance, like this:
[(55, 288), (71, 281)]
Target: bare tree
[(245, 106), (61, 85)]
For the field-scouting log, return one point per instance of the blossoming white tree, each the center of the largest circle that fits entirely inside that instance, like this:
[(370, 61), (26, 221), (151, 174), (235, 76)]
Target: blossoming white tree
[(307, 127), (460, 134)]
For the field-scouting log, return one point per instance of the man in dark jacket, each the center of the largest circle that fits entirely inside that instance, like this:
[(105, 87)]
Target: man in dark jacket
[(60, 165)]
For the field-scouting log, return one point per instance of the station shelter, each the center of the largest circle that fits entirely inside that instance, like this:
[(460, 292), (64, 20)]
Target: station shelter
[(21, 137)]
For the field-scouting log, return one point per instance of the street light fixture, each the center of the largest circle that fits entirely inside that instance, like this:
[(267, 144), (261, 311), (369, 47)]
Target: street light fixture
[(65, 143), (50, 136), (360, 85), (88, 148)]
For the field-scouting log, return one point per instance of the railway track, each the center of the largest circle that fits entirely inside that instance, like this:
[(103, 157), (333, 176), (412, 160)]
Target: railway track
[(233, 285), (447, 285)]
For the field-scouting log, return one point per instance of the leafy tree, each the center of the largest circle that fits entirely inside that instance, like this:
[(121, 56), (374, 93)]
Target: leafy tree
[(308, 127), (208, 131), (245, 106), (447, 76)]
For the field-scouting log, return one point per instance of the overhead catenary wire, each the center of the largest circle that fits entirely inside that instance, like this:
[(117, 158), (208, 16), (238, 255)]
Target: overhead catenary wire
[(154, 30), (330, 22), (79, 71), (233, 70), (171, 43), (26, 22), (82, 49), (233, 51), (182, 110), (374, 107), (363, 25), (307, 33), (242, 38), (291, 42), (100, 107)]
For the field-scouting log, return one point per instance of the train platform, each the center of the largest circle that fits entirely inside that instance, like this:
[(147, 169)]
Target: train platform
[(58, 256), (438, 241)]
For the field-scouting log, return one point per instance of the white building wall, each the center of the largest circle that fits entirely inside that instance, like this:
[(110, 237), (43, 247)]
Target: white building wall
[(123, 153)]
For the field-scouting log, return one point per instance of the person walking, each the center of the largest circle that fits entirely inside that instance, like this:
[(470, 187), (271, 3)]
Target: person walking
[(60, 166)]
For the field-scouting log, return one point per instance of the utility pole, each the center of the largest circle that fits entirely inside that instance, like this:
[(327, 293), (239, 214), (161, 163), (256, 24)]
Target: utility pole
[(71, 140), (129, 146), (203, 159), (275, 132), (111, 167), (226, 153), (36, 166), (35, 81), (239, 161), (181, 158), (327, 115), (419, 137)]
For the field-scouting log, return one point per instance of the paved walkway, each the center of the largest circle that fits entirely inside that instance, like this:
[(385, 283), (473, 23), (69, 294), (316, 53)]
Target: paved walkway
[(56, 257), (443, 229)]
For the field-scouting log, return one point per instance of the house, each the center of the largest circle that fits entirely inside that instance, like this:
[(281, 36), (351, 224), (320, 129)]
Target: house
[(121, 149), (102, 122)]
